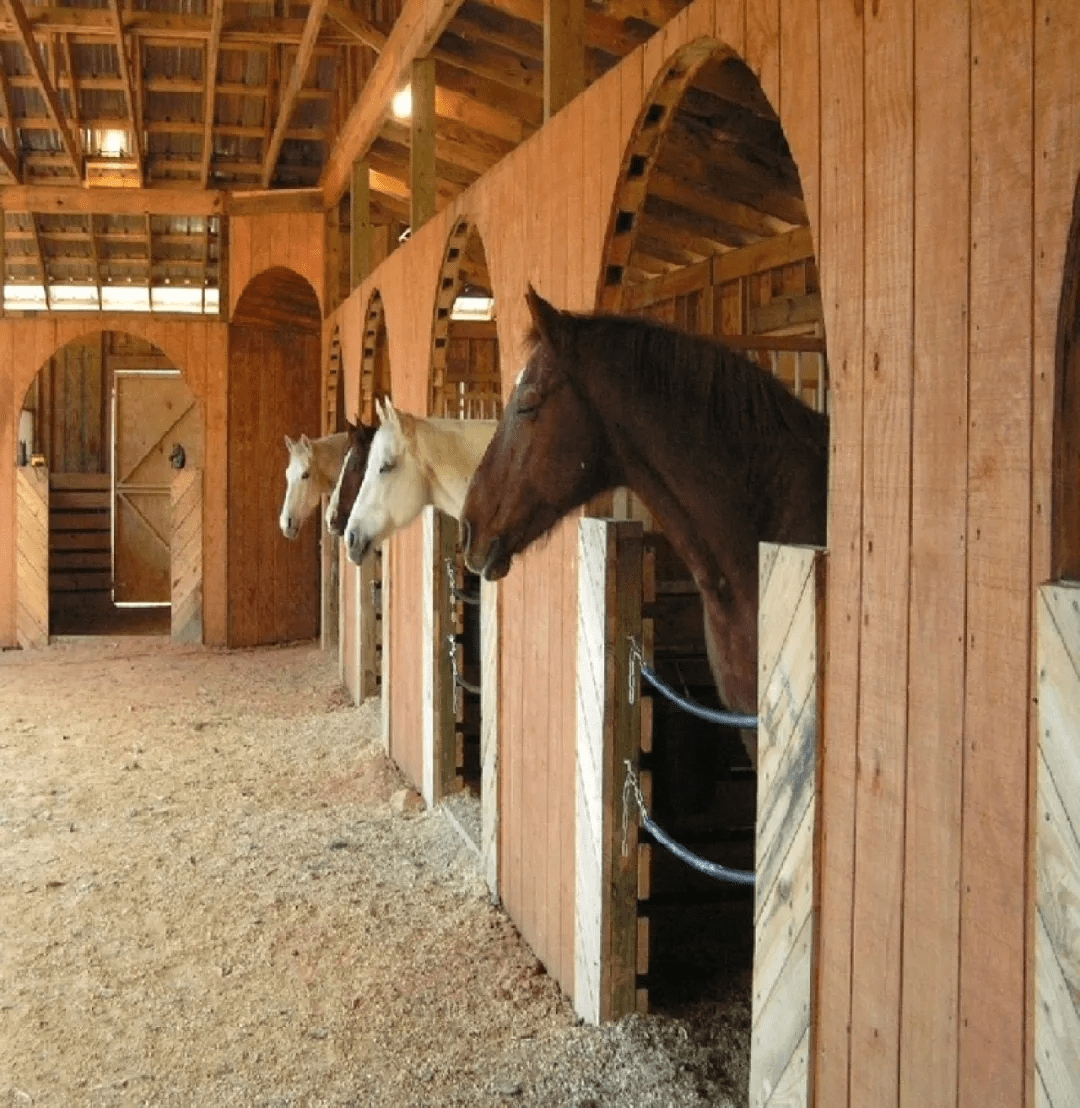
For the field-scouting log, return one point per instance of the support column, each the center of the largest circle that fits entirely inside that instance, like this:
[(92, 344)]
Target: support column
[(360, 224), (422, 134), (564, 53)]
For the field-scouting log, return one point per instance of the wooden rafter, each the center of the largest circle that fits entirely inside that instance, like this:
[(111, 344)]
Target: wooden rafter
[(149, 236), (415, 32), (9, 119), (213, 45), (296, 79), (7, 156), (45, 86), (92, 235), (130, 95), (40, 258), (73, 88)]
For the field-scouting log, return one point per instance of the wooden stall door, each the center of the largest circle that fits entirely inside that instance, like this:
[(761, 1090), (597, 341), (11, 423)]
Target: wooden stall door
[(32, 556), (1057, 848), (152, 414), (186, 556)]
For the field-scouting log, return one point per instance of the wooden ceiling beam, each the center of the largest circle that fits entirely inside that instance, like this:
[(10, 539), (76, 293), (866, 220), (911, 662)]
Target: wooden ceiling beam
[(94, 254), (455, 144), (210, 63), (45, 87), (131, 97), (11, 163), (415, 32), (528, 107), (296, 78), (40, 258)]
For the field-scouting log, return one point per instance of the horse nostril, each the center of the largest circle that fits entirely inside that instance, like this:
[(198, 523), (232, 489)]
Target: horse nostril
[(466, 536)]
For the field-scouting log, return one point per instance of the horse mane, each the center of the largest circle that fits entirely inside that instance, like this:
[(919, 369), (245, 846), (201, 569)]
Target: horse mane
[(708, 386)]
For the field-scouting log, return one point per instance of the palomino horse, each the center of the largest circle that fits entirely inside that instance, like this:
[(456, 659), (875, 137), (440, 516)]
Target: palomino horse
[(720, 452), (348, 481), (413, 462), (311, 471)]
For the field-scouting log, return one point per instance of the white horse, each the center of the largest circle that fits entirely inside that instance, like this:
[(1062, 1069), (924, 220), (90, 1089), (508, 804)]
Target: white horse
[(313, 468), (413, 462)]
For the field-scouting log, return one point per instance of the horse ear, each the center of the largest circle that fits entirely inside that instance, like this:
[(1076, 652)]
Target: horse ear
[(305, 442), (289, 444), (547, 319)]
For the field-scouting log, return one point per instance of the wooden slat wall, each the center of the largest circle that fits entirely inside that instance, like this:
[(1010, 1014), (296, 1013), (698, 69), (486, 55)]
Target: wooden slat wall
[(187, 556), (199, 349), (1057, 848), (32, 556), (939, 148), (789, 707)]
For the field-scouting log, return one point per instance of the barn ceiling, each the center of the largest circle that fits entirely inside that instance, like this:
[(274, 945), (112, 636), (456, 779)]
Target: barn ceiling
[(223, 97)]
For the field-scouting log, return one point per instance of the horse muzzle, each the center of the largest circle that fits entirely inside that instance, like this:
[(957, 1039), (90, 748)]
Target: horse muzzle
[(357, 545)]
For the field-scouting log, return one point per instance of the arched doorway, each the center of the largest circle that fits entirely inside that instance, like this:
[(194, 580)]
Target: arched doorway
[(110, 449), (461, 751), (274, 375), (709, 232)]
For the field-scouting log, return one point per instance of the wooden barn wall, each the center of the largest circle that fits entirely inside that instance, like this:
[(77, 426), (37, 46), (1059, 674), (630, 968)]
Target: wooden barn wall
[(939, 147), (199, 349), (257, 242)]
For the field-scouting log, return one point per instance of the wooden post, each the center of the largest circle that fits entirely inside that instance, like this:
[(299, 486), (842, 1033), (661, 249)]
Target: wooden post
[(564, 53), (360, 224), (489, 734), (610, 557), (1057, 847), (223, 268), (439, 748), (3, 257), (422, 137), (791, 627)]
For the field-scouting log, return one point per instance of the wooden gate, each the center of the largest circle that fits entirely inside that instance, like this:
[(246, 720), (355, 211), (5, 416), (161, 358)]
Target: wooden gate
[(32, 556), (153, 413), (1057, 849), (186, 556), (791, 624), (620, 886)]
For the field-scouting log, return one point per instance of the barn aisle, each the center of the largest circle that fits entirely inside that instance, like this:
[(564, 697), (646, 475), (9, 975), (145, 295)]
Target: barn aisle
[(207, 898)]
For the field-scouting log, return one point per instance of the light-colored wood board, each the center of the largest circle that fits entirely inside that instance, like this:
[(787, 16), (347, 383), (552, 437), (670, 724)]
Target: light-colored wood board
[(995, 905)]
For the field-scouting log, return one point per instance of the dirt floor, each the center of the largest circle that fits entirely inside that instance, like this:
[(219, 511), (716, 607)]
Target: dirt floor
[(206, 898)]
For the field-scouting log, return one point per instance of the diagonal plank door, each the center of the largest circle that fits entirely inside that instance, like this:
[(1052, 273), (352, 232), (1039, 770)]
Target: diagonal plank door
[(152, 414)]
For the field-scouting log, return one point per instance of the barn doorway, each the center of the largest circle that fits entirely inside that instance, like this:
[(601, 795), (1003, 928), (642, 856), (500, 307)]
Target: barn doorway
[(709, 232), (110, 450), (465, 383), (275, 371)]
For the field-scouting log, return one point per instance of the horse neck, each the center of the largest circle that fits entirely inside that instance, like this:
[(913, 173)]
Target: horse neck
[(448, 452), (327, 455)]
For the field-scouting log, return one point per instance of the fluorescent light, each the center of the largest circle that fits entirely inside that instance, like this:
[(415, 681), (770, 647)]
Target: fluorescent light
[(401, 105), (473, 307)]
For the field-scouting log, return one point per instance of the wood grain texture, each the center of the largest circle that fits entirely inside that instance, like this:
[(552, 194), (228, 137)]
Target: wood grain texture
[(186, 557), (1057, 847), (31, 549), (790, 634)]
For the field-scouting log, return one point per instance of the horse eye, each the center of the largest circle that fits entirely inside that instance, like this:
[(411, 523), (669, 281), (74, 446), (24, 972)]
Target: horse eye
[(528, 402), (387, 466), (305, 475)]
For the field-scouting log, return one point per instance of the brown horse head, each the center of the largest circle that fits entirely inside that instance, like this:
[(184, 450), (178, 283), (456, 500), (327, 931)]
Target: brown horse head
[(350, 478), (549, 455)]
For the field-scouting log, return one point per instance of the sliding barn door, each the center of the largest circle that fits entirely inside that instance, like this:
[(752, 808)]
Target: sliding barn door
[(153, 414)]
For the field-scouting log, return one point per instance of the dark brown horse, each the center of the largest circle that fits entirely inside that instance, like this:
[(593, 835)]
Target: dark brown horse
[(350, 478), (720, 452)]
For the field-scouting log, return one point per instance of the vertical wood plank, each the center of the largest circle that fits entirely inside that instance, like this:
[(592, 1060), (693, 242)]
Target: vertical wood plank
[(886, 483), (993, 909), (931, 955), (840, 258), (360, 225)]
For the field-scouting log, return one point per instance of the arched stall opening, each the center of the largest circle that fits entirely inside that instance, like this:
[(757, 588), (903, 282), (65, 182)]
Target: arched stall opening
[(709, 233), (334, 422), (1057, 814), (110, 457), (362, 650), (274, 391), (465, 383)]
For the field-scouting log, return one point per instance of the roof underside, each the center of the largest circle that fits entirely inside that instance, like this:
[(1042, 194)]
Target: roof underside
[(105, 93)]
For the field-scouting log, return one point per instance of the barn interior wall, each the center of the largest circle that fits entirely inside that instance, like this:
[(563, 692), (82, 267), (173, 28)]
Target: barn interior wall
[(939, 146)]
